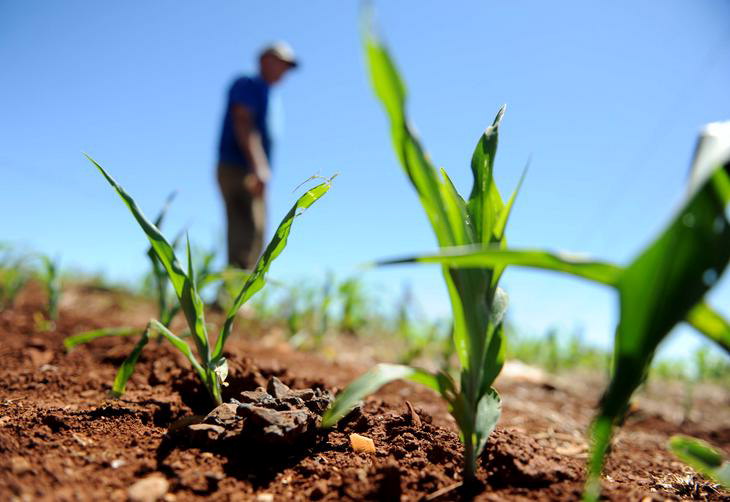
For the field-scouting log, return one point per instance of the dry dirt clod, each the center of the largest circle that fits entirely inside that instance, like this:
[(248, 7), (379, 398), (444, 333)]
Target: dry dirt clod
[(149, 489), (275, 416), (362, 443)]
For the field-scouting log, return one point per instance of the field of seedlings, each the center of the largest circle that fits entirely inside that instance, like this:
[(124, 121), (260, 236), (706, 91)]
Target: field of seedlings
[(207, 383)]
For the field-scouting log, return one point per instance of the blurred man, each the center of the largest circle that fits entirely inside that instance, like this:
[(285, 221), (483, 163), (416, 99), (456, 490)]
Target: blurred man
[(244, 154)]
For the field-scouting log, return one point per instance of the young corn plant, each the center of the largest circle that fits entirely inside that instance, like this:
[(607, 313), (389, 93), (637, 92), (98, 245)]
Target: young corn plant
[(354, 305), (52, 284), (478, 304), (662, 287), (210, 364)]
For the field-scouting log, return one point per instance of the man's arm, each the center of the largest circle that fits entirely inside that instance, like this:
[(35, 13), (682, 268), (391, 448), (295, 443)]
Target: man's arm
[(249, 140)]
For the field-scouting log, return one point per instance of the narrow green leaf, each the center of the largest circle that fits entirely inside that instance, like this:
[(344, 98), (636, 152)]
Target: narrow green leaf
[(475, 257), (489, 410), (600, 431), (485, 202), (72, 341), (456, 212), (184, 289), (369, 383), (702, 457), (127, 368), (158, 271), (157, 240), (257, 279), (504, 214), (493, 357), (711, 324), (165, 207), (391, 91)]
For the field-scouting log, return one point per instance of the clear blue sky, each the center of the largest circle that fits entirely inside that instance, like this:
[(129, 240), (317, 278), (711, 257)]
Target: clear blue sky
[(606, 100)]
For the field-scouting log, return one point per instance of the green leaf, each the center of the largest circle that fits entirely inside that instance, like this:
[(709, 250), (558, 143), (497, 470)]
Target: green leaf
[(504, 214), (257, 279), (711, 324), (369, 383), (485, 202), (183, 286), (702, 457), (493, 357), (158, 271), (72, 341), (476, 256), (456, 212), (391, 91), (660, 287), (665, 282), (489, 410), (127, 368)]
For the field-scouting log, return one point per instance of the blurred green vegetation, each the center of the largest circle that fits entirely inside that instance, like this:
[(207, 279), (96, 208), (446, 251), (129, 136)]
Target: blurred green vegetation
[(316, 314)]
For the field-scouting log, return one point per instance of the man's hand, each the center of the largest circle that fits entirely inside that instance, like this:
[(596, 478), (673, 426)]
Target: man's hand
[(256, 183)]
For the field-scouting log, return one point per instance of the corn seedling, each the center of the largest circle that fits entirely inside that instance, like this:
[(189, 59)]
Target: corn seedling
[(210, 364), (52, 285), (478, 304), (354, 305), (663, 286), (703, 458)]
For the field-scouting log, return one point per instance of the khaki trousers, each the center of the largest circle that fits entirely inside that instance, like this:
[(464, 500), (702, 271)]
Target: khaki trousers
[(245, 215)]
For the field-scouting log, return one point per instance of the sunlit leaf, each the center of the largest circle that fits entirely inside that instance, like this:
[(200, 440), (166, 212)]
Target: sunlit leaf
[(702, 457), (477, 256), (183, 286), (85, 337)]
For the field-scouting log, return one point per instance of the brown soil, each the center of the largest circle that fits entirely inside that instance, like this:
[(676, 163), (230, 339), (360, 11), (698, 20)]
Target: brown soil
[(63, 438)]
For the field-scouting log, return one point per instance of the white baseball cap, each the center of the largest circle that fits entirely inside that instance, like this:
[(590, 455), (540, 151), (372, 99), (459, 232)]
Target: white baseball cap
[(282, 51)]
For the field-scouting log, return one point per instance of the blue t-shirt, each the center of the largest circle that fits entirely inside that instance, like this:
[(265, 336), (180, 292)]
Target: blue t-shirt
[(253, 93)]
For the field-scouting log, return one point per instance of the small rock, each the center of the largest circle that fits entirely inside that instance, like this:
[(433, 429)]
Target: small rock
[(362, 443), (149, 489), (223, 415), (20, 465), (277, 427), (277, 388), (265, 497), (259, 397)]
